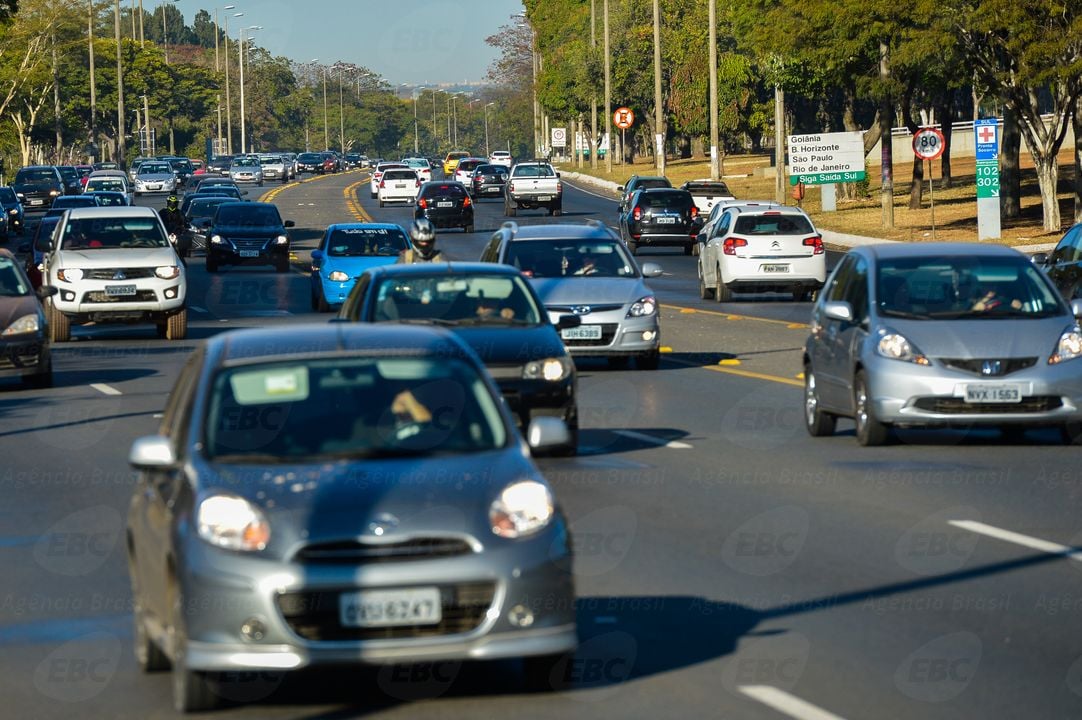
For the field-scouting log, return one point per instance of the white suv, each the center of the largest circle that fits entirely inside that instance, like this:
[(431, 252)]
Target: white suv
[(755, 248), (115, 264), (398, 185), (500, 157)]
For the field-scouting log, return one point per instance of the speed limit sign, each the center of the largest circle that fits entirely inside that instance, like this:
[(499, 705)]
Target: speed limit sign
[(928, 143)]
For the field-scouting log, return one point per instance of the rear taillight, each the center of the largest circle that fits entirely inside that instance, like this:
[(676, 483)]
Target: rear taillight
[(816, 241), (731, 244), (418, 183), (694, 212), (422, 204), (466, 202), (382, 184), (559, 187), (511, 187), (636, 214)]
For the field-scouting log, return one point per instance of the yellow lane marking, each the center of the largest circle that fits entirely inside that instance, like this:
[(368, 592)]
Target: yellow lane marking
[(741, 373), (729, 362), (666, 349), (353, 204), (733, 316)]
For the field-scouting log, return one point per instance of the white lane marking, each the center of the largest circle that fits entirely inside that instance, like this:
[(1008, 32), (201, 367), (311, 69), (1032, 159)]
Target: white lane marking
[(158, 416), (590, 192), (787, 704), (672, 444), (198, 309), (105, 389), (1017, 538)]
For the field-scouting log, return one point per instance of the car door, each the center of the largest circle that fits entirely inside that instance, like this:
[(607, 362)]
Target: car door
[(710, 253), (1066, 263), (830, 373), (845, 338)]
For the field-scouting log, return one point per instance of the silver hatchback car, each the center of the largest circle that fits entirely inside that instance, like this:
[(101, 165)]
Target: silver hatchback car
[(343, 494), (940, 334)]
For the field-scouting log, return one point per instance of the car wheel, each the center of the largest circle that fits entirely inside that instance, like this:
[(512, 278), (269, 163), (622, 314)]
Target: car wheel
[(510, 210), (869, 430), (687, 249), (382, 204), (375, 195), (40, 380), (695, 249), (547, 673), (801, 293), (281, 265), (176, 327), (59, 324), (1071, 433), (468, 228), (148, 656), (722, 293), (704, 292), (817, 422), (192, 689), (648, 361), (321, 303), (633, 247), (618, 362), (557, 211)]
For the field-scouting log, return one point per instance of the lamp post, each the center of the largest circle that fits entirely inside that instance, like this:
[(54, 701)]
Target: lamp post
[(93, 89), (341, 107), (487, 150), (608, 89), (240, 54), (326, 124), (228, 99), (119, 93), (659, 111), (165, 30), (416, 140)]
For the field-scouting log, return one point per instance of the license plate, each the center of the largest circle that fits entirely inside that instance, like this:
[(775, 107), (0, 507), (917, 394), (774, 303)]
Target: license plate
[(582, 332), (544, 198), (37, 202), (119, 290), (388, 608), (775, 268), (400, 186), (445, 204), (154, 186), (665, 220), (492, 189), (249, 253), (993, 393)]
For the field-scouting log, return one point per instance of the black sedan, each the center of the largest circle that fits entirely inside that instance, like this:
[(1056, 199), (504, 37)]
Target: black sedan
[(488, 181), (247, 233), (24, 337), (11, 206), (497, 313), (445, 204), (1064, 264), (310, 162), (660, 217), (37, 186)]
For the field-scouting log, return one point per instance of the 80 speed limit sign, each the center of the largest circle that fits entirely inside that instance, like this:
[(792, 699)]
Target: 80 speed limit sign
[(928, 143)]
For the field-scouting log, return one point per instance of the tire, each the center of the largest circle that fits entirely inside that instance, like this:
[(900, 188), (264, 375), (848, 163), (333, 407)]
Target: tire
[(687, 249), (817, 422), (633, 247), (468, 228), (176, 326), (1071, 433), (870, 431), (722, 293), (381, 204), (648, 361), (801, 293), (192, 689), (695, 249), (40, 380), (321, 304), (547, 673), (59, 324), (375, 195), (704, 292), (281, 265), (557, 211)]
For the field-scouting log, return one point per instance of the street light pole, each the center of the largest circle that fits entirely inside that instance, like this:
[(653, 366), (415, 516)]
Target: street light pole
[(119, 93), (608, 92), (341, 112), (241, 50), (416, 127), (228, 98), (715, 167), (659, 111), (93, 89), (326, 123), (488, 151)]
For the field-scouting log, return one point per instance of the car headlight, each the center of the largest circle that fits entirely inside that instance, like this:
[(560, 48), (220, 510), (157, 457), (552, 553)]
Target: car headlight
[(643, 307), (895, 346), (167, 272), (54, 193), (231, 522), (282, 239), (216, 239), (1069, 347), (25, 324), (21, 196), (338, 276), (13, 211), (69, 274), (551, 369), (521, 509)]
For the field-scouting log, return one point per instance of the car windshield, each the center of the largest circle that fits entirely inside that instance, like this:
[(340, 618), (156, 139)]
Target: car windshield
[(351, 408), (366, 241), (155, 169), (969, 287), (457, 299), (773, 224), (12, 282), (309, 158), (205, 207), (248, 215), (534, 171), (102, 232), (35, 176), (71, 201), (245, 163), (113, 185), (569, 258)]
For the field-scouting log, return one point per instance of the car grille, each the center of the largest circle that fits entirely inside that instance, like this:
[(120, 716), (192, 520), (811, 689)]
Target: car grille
[(608, 332), (958, 406), (353, 552), (11, 361), (248, 243), (567, 309), (314, 615), (1006, 365), (111, 273), (505, 372), (99, 296)]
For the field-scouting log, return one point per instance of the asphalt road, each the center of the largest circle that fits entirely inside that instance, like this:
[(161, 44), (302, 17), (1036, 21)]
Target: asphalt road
[(728, 565)]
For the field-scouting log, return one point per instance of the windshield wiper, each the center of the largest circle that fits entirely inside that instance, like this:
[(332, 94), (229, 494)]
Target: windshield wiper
[(904, 314)]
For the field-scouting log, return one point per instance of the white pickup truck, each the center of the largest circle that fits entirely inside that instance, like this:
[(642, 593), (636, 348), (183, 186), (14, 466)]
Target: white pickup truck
[(706, 193), (533, 185)]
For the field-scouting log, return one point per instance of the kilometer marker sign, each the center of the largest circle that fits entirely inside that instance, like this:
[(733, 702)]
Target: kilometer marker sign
[(826, 158)]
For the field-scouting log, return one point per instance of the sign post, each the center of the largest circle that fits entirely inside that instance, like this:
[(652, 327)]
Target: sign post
[(826, 159), (928, 144), (623, 118), (988, 210)]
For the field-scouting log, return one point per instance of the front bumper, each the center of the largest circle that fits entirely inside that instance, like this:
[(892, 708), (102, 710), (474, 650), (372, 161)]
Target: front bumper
[(24, 354), (335, 293), (620, 335), (227, 254), (527, 399), (88, 300), (155, 187), (904, 393), (223, 590)]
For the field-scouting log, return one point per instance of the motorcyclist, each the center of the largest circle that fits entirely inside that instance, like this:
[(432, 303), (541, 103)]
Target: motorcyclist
[(423, 239), (175, 225)]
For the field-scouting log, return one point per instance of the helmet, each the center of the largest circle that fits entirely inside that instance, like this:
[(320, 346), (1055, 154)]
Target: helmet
[(172, 203), (423, 235)]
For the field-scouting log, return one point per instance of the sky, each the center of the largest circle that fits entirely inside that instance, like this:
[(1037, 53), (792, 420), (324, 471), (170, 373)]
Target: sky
[(406, 41)]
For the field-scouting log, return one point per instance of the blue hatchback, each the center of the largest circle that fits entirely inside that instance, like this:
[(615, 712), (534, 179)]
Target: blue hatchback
[(345, 252)]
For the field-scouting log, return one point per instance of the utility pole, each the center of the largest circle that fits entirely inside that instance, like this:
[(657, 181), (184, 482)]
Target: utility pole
[(326, 125), (608, 92), (779, 144), (142, 37), (119, 93), (56, 103), (593, 99), (715, 165), (886, 118), (228, 99), (93, 86), (536, 105), (659, 111)]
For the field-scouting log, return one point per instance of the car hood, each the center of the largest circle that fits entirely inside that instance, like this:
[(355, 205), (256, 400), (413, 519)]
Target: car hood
[(354, 266), (589, 290), (120, 257), (502, 345), (979, 339), (13, 308), (338, 501), (248, 230)]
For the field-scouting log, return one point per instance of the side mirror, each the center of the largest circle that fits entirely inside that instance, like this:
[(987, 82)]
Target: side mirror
[(651, 270), (838, 310), (566, 322), (1040, 258), (1076, 308), (152, 452), (317, 255), (290, 223), (620, 188), (557, 174), (47, 291), (547, 432)]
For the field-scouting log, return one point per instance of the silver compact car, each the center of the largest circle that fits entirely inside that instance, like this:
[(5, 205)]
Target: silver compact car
[(246, 170), (586, 270), (941, 334), (343, 494), (154, 176)]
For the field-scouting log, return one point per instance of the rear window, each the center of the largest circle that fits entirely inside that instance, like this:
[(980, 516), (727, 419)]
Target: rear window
[(7, 195), (443, 190), (652, 183), (534, 171), (400, 175), (491, 169), (205, 208), (712, 189), (669, 200), (111, 184), (773, 224)]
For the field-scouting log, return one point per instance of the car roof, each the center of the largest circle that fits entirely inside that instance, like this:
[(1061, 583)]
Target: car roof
[(449, 268), (113, 211), (109, 174), (937, 249), (345, 226), (333, 339), (561, 231)]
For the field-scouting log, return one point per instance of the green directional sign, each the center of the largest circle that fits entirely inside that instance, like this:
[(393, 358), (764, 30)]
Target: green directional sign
[(828, 178), (987, 179)]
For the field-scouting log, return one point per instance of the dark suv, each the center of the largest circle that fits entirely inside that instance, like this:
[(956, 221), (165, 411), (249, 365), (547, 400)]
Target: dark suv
[(247, 233), (73, 180), (13, 208), (640, 182), (445, 204), (37, 186), (660, 217)]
